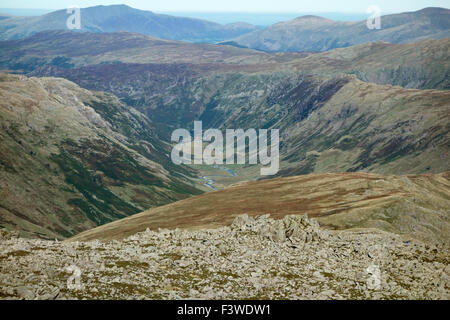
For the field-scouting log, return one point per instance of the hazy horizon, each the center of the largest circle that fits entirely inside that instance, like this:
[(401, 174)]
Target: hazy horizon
[(223, 17), (267, 6), (255, 18)]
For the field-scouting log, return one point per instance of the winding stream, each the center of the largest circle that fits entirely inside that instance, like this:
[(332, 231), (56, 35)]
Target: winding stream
[(210, 182)]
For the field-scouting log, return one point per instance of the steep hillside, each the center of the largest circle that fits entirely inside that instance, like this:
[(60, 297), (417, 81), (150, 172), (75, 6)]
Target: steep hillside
[(420, 65), (72, 159), (311, 33), (330, 121), (124, 18), (327, 124), (416, 206)]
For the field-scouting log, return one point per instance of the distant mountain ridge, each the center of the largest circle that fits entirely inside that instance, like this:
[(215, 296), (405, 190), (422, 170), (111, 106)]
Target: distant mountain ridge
[(312, 33), (124, 18), (421, 65), (305, 33)]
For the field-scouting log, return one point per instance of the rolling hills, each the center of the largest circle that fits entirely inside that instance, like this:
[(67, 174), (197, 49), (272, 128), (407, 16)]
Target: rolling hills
[(421, 65), (62, 49)]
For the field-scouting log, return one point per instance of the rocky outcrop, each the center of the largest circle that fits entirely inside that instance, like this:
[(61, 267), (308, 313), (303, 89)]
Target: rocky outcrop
[(294, 228), (254, 258), (7, 235)]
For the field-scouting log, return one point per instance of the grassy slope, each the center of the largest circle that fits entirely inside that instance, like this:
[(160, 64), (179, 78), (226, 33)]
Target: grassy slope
[(414, 205)]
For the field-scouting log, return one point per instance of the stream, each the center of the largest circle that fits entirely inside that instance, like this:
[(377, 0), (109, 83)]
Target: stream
[(210, 182)]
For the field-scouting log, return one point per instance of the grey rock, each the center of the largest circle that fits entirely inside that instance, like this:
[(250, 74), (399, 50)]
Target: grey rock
[(25, 293)]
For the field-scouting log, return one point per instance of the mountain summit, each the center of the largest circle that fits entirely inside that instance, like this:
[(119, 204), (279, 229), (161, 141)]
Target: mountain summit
[(124, 18), (311, 33)]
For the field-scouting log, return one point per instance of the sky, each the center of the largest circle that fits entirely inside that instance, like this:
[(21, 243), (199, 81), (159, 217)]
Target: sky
[(386, 6)]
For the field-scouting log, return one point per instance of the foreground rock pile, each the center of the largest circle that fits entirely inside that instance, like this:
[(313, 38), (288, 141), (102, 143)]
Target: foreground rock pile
[(256, 258)]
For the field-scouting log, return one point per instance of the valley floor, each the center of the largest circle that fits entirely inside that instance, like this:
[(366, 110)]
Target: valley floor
[(254, 258)]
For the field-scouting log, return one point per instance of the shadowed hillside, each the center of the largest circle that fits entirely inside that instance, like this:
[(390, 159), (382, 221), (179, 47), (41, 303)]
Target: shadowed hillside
[(72, 159)]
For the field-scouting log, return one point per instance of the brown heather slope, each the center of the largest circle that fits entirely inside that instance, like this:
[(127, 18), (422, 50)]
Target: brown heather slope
[(415, 205)]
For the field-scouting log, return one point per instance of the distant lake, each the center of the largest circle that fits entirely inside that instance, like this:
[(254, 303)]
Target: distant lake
[(255, 18)]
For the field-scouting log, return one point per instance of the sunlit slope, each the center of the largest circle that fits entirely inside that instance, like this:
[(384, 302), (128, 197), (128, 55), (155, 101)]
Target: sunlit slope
[(414, 205)]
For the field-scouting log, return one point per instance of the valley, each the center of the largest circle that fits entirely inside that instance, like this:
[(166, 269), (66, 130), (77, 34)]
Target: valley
[(77, 159), (89, 188), (336, 111)]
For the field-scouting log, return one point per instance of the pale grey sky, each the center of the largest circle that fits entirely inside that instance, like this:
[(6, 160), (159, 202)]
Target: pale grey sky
[(387, 6)]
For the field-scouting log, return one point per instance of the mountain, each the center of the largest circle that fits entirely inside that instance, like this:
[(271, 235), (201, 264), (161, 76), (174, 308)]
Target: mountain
[(124, 18), (63, 49), (320, 118), (422, 65), (338, 111), (414, 206), (310, 97), (311, 33), (74, 159)]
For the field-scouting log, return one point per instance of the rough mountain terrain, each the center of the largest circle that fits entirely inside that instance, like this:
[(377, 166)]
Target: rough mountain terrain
[(338, 111), (323, 111), (359, 209), (358, 124), (422, 65), (256, 258), (67, 50), (72, 159)]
